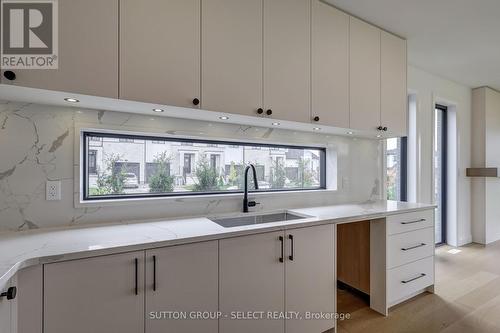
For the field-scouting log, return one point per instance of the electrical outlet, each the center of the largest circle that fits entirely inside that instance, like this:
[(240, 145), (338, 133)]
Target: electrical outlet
[(53, 190)]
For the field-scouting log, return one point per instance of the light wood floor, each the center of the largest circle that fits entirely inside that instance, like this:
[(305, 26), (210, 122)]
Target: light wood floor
[(467, 298)]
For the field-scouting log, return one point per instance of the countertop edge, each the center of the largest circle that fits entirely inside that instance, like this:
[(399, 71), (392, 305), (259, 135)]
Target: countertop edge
[(309, 222)]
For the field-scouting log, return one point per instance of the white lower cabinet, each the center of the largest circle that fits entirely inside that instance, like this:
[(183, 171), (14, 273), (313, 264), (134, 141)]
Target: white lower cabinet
[(277, 272), (309, 278), (99, 295), (182, 280), (406, 280)]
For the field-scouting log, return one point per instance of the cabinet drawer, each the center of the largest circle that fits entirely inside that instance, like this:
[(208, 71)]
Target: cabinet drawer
[(406, 280), (410, 221), (409, 246)]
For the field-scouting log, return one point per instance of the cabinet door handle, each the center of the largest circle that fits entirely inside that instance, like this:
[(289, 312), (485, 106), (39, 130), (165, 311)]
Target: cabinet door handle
[(413, 247), (154, 273), (136, 262), (9, 75), (196, 101), (269, 112), (10, 293), (260, 110), (290, 237), (416, 221), (282, 248), (415, 278)]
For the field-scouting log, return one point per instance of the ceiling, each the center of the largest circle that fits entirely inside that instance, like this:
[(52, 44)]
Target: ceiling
[(455, 39)]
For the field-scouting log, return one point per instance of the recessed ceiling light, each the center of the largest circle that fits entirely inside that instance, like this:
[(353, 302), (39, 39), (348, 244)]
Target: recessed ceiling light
[(276, 124), (350, 132), (223, 118), (71, 100), (316, 129), (158, 110)]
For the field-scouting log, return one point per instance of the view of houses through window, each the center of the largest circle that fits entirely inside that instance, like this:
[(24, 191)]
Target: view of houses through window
[(130, 166)]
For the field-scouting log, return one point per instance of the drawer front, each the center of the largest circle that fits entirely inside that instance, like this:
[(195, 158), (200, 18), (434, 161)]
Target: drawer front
[(409, 246), (405, 280), (397, 224)]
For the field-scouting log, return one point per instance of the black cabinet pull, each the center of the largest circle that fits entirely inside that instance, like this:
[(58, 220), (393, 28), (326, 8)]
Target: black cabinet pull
[(290, 237), (380, 128), (9, 75), (136, 262), (412, 247), (196, 101), (260, 110), (10, 293), (316, 118), (384, 129), (269, 112), (416, 221), (282, 248), (415, 278), (154, 273)]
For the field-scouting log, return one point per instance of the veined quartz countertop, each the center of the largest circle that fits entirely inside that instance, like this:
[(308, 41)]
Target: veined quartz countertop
[(28, 248)]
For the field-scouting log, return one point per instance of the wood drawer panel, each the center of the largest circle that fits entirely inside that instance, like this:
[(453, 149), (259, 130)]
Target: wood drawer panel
[(408, 279), (410, 221), (409, 246)]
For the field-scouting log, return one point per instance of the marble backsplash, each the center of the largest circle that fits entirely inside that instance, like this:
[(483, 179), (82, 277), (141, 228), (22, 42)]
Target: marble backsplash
[(38, 143)]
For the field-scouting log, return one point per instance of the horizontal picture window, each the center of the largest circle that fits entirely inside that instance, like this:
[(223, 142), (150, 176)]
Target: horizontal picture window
[(131, 166)]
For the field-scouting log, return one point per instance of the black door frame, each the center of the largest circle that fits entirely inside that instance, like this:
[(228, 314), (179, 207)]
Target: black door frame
[(444, 172)]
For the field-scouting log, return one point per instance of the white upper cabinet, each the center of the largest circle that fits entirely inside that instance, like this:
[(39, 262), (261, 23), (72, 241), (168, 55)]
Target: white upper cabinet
[(287, 59), (88, 51), (364, 75), (393, 84), (232, 56), (330, 65), (160, 51)]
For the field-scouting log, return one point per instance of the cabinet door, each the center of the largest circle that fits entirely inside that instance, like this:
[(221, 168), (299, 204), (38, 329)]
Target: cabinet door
[(287, 59), (330, 65), (95, 295), (251, 279), (364, 75), (88, 51), (393, 80), (232, 56), (160, 51), (310, 277), (186, 280)]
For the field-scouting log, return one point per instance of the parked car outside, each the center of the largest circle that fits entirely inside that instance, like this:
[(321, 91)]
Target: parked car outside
[(131, 180)]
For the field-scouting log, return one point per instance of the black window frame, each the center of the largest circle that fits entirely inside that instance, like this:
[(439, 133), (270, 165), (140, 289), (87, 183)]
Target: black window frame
[(85, 173)]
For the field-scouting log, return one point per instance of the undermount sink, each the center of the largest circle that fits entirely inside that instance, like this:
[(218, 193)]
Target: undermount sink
[(238, 221)]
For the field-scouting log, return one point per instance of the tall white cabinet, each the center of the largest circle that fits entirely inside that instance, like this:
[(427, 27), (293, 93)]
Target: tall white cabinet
[(287, 60), (330, 65), (394, 102), (88, 51), (160, 51), (364, 84), (231, 56)]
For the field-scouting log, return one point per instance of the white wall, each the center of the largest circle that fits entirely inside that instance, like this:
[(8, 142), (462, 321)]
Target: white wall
[(40, 143), (486, 143), (429, 90)]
